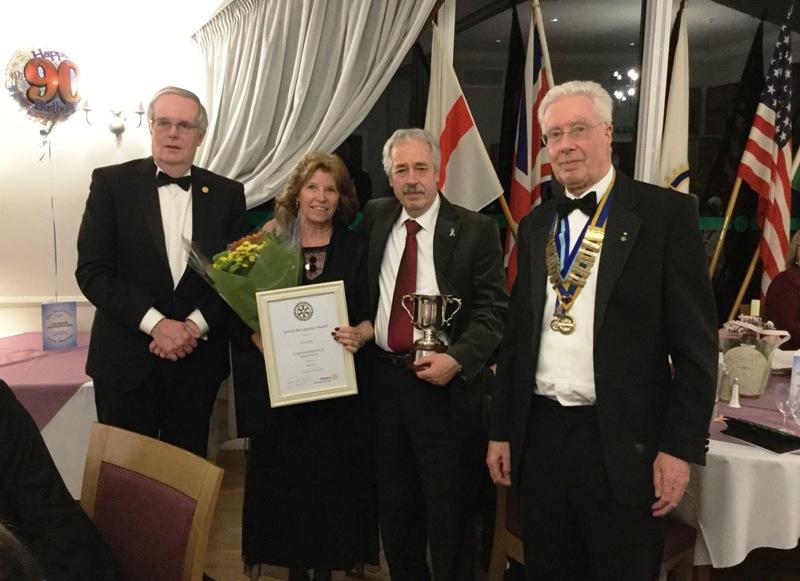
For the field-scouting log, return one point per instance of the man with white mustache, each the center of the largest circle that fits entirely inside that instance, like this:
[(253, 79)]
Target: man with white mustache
[(429, 411)]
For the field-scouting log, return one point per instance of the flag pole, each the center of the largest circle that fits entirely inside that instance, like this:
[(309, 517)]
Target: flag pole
[(509, 217), (725, 224), (745, 283), (548, 71)]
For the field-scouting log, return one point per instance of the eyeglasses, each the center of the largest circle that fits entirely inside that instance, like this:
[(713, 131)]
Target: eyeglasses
[(163, 125), (577, 131)]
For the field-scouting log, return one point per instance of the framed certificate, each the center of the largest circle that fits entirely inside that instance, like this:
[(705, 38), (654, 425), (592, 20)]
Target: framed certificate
[(304, 362)]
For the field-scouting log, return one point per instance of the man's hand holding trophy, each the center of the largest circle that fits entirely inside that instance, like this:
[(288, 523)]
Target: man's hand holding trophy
[(431, 314)]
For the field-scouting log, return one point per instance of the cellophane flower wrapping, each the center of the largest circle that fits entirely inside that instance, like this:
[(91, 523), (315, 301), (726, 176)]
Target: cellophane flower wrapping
[(760, 334), (257, 262), (754, 330)]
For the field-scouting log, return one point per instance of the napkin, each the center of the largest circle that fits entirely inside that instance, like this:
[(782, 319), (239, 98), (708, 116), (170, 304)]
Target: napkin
[(782, 359)]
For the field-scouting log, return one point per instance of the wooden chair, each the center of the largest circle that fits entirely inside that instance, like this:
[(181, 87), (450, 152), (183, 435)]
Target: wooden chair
[(152, 502), (676, 563), (507, 534)]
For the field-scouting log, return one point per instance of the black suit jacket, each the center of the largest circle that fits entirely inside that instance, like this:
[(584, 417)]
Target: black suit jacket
[(123, 270), (36, 505), (469, 265), (653, 302)]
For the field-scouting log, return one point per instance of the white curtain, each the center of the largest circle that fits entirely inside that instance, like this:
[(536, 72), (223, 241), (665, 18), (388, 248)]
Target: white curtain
[(289, 76)]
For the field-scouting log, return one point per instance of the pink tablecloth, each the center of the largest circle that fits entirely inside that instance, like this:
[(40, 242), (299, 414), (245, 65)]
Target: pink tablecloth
[(42, 381), (761, 410)]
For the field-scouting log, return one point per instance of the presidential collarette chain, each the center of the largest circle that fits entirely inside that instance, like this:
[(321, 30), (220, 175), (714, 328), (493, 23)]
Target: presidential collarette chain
[(568, 291), (589, 249)]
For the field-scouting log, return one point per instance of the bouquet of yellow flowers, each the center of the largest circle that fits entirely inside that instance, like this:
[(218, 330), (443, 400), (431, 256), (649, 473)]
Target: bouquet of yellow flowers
[(257, 262)]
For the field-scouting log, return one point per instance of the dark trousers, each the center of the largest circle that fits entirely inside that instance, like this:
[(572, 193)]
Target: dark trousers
[(420, 468), (163, 407), (573, 527)]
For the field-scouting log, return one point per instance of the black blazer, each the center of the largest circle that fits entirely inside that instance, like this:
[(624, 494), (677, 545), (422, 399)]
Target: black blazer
[(653, 301), (469, 265), (123, 270)]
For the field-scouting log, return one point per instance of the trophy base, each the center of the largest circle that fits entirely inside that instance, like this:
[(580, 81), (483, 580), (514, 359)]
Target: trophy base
[(426, 349)]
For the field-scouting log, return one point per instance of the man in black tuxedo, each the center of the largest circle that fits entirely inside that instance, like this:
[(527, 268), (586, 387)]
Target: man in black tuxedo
[(158, 350), (428, 415), (36, 505), (596, 426)]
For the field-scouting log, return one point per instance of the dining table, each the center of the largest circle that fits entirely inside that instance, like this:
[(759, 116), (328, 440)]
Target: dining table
[(745, 497), (54, 388)]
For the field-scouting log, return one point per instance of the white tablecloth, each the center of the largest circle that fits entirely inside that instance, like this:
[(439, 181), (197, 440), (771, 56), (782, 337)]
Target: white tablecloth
[(67, 436), (744, 498)]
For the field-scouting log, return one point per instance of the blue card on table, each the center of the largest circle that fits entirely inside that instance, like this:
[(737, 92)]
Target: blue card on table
[(59, 326)]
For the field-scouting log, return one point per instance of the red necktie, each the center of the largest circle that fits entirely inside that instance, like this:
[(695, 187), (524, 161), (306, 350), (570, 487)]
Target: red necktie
[(401, 331)]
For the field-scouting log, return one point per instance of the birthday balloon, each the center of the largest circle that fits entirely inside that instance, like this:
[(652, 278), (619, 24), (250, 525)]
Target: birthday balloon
[(44, 83)]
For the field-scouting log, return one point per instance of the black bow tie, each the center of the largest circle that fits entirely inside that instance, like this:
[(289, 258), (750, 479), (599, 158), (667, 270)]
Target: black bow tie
[(163, 179), (586, 204)]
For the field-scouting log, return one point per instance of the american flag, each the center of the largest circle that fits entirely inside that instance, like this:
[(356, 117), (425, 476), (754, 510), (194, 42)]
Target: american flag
[(767, 159), (531, 169)]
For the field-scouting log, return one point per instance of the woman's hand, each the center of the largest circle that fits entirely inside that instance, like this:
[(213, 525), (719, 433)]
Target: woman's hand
[(256, 339), (353, 338), (271, 226)]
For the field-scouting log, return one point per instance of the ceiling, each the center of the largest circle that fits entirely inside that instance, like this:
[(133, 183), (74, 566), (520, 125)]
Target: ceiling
[(582, 26), (585, 25)]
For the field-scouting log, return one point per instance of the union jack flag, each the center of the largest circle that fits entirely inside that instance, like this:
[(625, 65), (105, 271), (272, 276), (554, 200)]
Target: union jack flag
[(531, 175)]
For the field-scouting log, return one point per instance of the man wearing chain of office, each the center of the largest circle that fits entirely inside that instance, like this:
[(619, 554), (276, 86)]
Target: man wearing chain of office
[(607, 367)]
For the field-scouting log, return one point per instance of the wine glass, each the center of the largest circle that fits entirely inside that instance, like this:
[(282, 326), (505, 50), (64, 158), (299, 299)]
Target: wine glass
[(786, 401)]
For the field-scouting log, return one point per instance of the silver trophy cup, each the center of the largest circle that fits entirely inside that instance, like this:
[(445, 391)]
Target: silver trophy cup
[(430, 314)]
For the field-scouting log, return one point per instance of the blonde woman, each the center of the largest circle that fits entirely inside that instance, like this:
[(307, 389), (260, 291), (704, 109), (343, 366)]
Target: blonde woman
[(309, 494)]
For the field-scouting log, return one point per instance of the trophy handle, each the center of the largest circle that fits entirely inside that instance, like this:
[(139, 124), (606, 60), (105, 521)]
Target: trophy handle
[(403, 303), (451, 300)]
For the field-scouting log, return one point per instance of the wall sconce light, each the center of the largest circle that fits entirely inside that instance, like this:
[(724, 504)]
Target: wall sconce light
[(117, 124)]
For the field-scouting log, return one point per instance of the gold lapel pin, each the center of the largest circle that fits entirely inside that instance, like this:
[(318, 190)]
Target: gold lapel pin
[(204, 189)]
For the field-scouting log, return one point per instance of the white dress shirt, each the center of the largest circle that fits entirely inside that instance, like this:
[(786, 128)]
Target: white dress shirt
[(176, 220), (392, 254), (565, 370)]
